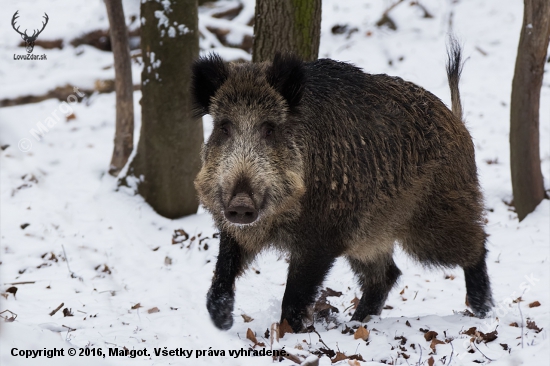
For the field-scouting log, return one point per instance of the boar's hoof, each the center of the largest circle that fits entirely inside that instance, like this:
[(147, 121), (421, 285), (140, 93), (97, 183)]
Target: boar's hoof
[(220, 308), (241, 210)]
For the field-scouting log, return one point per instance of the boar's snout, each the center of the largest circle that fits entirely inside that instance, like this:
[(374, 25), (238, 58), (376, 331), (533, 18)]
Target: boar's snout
[(241, 209)]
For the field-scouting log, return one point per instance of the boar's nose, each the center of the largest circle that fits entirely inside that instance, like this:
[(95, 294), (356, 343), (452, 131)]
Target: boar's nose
[(241, 209)]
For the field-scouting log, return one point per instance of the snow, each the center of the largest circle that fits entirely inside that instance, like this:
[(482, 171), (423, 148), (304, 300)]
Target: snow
[(100, 249)]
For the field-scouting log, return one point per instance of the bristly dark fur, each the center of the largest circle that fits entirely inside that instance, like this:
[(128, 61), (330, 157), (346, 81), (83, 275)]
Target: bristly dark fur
[(287, 76), (209, 73), (327, 161), (454, 70)]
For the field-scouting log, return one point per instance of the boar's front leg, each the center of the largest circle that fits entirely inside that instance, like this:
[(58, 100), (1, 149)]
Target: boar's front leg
[(221, 296), (306, 273)]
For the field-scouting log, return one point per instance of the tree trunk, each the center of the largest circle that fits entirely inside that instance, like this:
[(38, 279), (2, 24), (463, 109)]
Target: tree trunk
[(287, 25), (527, 181), (168, 153), (124, 133)]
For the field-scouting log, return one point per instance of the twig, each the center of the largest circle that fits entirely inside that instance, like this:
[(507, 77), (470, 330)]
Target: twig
[(452, 351), (20, 283), (321, 339), (67, 261), (56, 309), (521, 315), (474, 343), (420, 348)]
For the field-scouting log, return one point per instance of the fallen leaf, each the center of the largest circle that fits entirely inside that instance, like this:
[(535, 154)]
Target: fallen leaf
[(403, 340), (353, 363), (12, 290), (339, 357), (136, 306), (167, 261), (362, 333), (434, 343), (153, 310), (531, 325), (471, 332), (431, 361), (250, 336), (504, 346), (407, 323), (355, 302), (534, 304), (430, 335), (514, 324), (388, 307), (248, 319), (179, 236), (487, 337), (67, 312)]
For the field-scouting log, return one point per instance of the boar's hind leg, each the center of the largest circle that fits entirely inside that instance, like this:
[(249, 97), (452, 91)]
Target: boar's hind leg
[(448, 232), (306, 273), (376, 279), (221, 297)]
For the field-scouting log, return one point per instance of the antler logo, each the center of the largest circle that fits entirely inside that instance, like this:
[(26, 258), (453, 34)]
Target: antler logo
[(29, 40)]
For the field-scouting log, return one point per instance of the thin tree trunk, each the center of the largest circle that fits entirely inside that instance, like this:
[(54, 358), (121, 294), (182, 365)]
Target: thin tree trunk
[(124, 133), (287, 25), (168, 153), (527, 181)]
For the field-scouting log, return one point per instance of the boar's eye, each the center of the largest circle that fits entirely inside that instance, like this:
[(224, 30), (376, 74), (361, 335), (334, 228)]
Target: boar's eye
[(268, 130), (225, 127)]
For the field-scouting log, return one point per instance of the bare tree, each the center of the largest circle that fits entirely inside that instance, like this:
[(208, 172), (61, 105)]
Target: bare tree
[(168, 153), (124, 133), (527, 181), (287, 25)]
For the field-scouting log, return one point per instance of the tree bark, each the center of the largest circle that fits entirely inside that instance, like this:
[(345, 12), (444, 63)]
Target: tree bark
[(527, 181), (168, 154), (287, 25), (124, 133)]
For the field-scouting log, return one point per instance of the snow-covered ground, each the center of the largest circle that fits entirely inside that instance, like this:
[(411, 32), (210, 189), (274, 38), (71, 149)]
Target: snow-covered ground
[(68, 236)]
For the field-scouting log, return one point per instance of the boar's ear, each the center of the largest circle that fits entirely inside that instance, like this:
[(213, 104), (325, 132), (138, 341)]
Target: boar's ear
[(209, 73), (287, 76)]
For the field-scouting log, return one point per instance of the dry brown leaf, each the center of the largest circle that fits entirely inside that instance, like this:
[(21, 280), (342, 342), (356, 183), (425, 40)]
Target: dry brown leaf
[(284, 328), (362, 333), (339, 357), (534, 304), (247, 319), (471, 332), (153, 310), (136, 306), (250, 336), (514, 324), (407, 323), (355, 302), (353, 363), (167, 261), (12, 290), (431, 361), (430, 335), (434, 343), (531, 325)]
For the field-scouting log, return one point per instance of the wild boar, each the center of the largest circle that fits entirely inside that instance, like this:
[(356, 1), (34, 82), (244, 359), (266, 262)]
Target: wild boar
[(320, 160)]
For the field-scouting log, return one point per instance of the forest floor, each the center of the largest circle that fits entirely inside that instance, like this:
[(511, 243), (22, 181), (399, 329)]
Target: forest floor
[(122, 277)]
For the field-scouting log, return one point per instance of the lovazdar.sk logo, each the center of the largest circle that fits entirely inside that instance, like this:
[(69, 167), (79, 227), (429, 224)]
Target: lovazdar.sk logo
[(29, 40)]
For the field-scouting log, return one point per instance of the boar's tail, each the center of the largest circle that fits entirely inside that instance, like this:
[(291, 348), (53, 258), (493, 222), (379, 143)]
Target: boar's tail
[(454, 69)]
